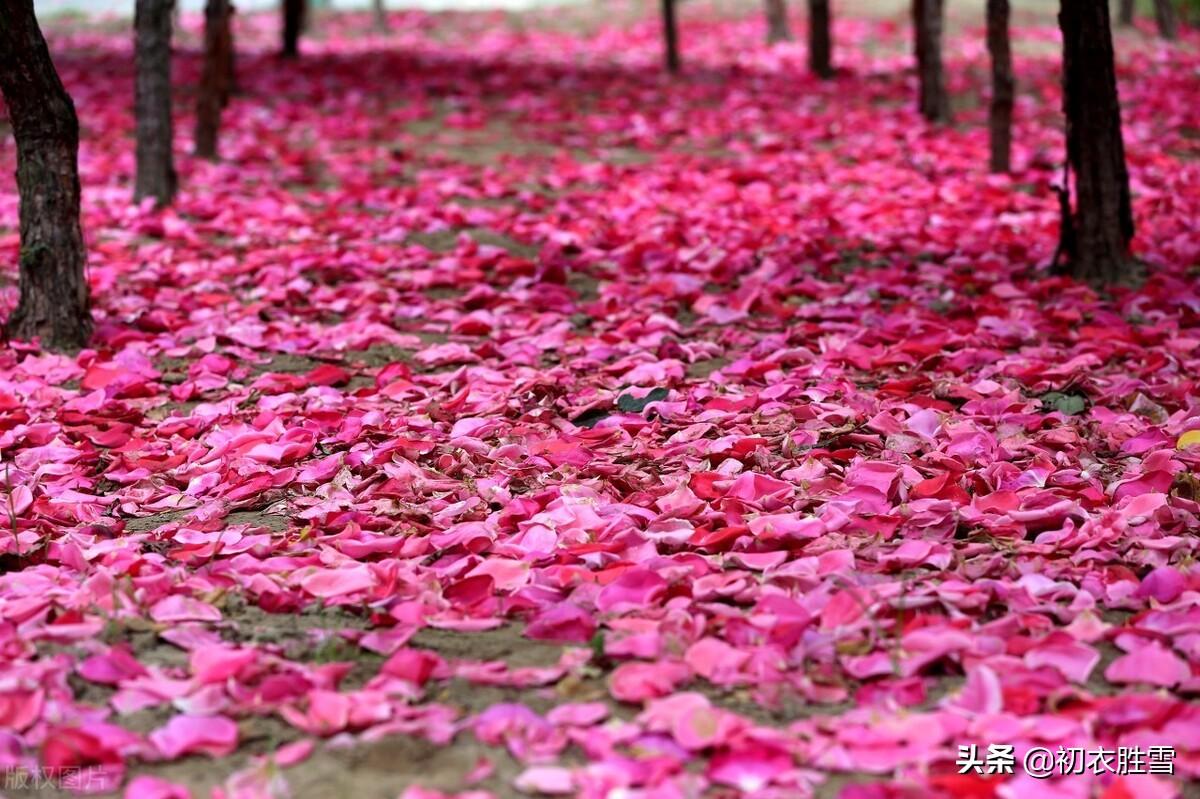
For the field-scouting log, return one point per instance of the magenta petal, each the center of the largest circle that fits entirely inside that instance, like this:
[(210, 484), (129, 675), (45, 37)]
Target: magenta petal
[(187, 735), (715, 660), (634, 588), (1164, 584), (147, 787), (637, 682), (748, 769), (338, 582), (1151, 663), (563, 622), (551, 780)]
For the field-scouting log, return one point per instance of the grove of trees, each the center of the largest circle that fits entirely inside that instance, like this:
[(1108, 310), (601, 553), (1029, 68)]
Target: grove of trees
[(1097, 227)]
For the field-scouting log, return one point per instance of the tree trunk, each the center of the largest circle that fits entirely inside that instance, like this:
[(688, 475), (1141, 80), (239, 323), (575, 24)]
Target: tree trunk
[(228, 59), (54, 301), (927, 25), (152, 101), (777, 22), (820, 41), (1001, 111), (1097, 236), (670, 35), (1164, 14), (381, 23), (294, 12), (215, 78), (1126, 12)]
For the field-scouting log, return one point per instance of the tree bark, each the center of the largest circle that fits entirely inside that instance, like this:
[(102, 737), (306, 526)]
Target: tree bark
[(216, 76), (1000, 112), (152, 102), (228, 59), (294, 13), (54, 302), (932, 102), (1098, 234), (1125, 13), (1164, 14), (777, 22), (820, 40), (380, 13), (670, 35)]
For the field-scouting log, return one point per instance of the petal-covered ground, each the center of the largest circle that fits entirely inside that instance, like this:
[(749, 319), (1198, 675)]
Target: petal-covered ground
[(501, 416)]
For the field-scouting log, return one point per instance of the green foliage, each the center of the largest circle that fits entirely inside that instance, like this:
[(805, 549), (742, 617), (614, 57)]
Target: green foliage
[(626, 403), (631, 404), (1066, 404), (1189, 10)]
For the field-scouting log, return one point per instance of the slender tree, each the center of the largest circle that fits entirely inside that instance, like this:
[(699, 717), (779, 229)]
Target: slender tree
[(380, 13), (777, 22), (1000, 112), (820, 40), (1125, 12), (1096, 236), (216, 77), (229, 66), (152, 101), (54, 302), (670, 35), (295, 13), (1164, 15), (933, 102)]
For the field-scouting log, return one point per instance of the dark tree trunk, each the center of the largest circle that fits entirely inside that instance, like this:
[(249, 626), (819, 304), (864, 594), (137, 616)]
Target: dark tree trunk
[(1097, 236), (820, 41), (294, 13), (927, 25), (1001, 111), (380, 13), (1164, 14), (228, 58), (1125, 12), (216, 76), (670, 35), (152, 101), (54, 301), (777, 22)]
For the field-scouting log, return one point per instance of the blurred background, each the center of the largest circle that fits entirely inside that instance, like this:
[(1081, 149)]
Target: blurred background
[(124, 8), (970, 10)]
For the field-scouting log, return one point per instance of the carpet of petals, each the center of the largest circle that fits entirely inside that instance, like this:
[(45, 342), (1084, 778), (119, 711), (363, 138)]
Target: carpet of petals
[(502, 416)]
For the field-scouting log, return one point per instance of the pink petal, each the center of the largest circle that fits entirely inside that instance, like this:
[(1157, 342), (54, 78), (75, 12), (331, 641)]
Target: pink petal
[(213, 664), (147, 787), (1164, 584), (715, 660), (749, 769), (637, 682), (563, 622), (338, 582), (186, 735), (552, 780), (177, 608), (635, 587), (1074, 660), (1152, 664)]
